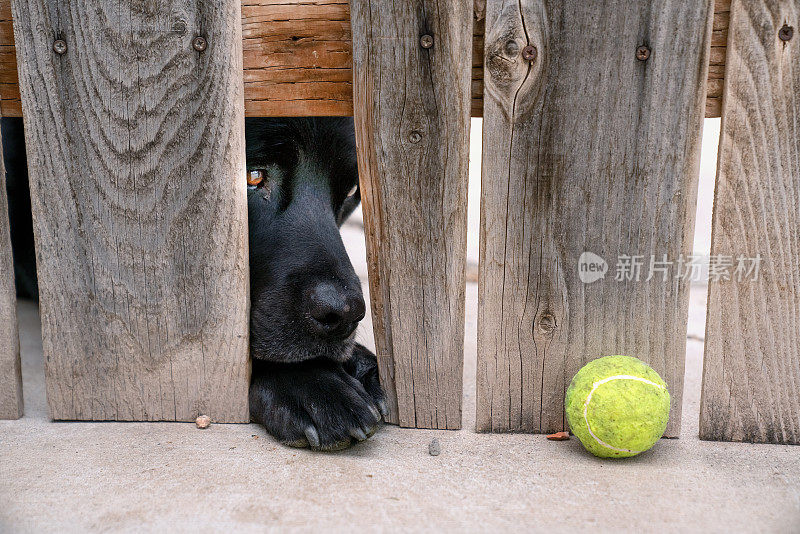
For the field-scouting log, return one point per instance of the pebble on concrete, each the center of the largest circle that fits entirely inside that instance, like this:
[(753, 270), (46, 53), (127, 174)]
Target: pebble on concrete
[(202, 421), (434, 448)]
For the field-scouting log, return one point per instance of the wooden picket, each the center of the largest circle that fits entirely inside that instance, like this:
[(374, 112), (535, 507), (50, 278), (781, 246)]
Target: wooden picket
[(591, 143), (412, 102), (134, 123), (751, 369)]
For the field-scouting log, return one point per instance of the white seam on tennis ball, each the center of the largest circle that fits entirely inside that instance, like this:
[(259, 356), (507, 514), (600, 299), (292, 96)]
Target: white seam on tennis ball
[(589, 398)]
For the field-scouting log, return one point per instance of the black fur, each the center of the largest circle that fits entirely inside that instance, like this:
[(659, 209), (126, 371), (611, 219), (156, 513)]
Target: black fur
[(312, 384), (19, 208)]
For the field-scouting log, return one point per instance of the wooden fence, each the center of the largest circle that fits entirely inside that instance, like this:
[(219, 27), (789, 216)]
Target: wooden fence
[(592, 121)]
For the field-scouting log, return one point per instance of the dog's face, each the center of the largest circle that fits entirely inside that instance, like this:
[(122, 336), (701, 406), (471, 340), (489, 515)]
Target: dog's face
[(306, 299)]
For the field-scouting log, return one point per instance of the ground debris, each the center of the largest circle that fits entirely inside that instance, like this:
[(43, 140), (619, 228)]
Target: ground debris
[(434, 449), (202, 421), (558, 436)]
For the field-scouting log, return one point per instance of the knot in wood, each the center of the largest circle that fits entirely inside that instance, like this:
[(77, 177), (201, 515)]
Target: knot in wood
[(786, 33), (512, 48), (415, 136), (502, 69), (505, 67), (547, 323)]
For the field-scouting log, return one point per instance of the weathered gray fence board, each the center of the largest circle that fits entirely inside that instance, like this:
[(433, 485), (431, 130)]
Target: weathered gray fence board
[(412, 109), (585, 149), (10, 370), (751, 370), (136, 157)]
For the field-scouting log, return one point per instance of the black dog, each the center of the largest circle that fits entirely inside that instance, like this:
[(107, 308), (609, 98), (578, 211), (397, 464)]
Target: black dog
[(312, 384)]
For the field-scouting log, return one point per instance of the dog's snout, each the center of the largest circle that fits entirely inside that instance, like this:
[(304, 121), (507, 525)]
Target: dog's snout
[(334, 311)]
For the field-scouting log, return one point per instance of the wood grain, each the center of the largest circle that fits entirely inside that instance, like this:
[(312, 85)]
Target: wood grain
[(298, 59), (585, 149), (751, 371), (716, 59), (10, 369), (136, 154), (412, 129), (10, 103)]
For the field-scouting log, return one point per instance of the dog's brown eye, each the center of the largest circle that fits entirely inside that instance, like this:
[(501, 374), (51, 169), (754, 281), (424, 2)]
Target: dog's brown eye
[(255, 177)]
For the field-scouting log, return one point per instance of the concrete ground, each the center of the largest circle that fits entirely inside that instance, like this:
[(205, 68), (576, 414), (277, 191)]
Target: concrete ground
[(63, 477)]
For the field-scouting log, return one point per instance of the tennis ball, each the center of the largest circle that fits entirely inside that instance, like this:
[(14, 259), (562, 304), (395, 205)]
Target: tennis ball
[(617, 406)]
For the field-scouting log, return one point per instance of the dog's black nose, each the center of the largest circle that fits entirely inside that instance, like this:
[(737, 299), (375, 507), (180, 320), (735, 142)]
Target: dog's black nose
[(334, 311)]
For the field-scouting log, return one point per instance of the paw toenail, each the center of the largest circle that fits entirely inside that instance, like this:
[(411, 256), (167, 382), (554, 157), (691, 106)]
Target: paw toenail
[(358, 434), (375, 413), (312, 436), (383, 407)]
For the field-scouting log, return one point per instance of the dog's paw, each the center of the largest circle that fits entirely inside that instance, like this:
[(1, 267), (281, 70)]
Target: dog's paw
[(363, 366), (312, 404)]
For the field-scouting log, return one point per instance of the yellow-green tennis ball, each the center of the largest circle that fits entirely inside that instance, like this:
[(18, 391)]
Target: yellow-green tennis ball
[(617, 406)]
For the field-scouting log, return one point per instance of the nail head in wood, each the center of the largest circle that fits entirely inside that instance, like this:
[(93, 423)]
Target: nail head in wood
[(786, 33), (60, 46), (179, 27), (547, 323), (199, 44), (642, 53), (426, 41), (529, 53)]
